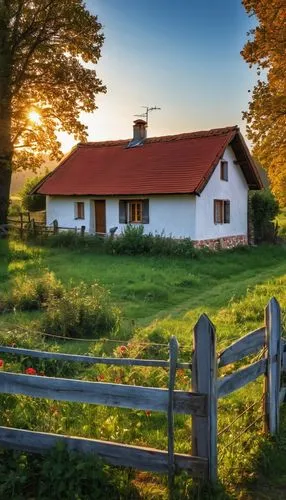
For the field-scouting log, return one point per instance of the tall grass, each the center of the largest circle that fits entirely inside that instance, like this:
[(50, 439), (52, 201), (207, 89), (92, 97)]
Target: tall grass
[(158, 297)]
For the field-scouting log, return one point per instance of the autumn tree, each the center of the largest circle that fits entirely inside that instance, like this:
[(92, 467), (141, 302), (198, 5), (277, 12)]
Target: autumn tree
[(45, 80), (266, 115)]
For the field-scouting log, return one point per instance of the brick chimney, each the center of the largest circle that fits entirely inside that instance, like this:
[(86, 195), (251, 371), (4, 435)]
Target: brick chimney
[(139, 134), (139, 130)]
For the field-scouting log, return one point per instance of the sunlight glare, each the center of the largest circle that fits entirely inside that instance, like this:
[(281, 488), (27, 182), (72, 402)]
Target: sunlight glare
[(34, 117)]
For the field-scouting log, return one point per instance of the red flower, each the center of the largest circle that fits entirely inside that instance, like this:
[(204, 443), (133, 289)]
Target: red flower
[(1, 363), (148, 413), (122, 350), (30, 371), (100, 378)]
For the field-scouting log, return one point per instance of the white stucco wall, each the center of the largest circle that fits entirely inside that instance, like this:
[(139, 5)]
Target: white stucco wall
[(62, 209), (171, 215), (235, 190)]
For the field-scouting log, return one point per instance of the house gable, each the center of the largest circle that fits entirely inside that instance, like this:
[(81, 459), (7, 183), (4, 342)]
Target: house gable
[(234, 191)]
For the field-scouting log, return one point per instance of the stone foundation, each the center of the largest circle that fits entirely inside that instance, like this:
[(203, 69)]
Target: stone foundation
[(224, 242)]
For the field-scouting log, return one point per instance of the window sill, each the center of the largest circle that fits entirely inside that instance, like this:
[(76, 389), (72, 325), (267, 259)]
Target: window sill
[(79, 218)]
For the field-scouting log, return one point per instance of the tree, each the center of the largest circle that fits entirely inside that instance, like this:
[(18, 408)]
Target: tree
[(45, 80), (263, 210), (266, 115), (32, 202)]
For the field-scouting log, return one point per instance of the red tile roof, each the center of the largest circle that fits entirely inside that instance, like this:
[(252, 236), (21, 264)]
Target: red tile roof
[(163, 165)]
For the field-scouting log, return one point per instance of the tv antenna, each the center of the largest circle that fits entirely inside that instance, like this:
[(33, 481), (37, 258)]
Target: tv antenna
[(147, 111)]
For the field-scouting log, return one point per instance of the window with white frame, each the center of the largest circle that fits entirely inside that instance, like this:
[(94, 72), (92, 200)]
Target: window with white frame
[(134, 211)]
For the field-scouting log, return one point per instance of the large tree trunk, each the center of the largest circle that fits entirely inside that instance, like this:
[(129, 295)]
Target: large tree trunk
[(5, 114)]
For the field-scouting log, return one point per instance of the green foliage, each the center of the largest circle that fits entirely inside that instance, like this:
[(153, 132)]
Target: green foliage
[(82, 311), (61, 475), (32, 202), (31, 293), (73, 240), (133, 241), (264, 208)]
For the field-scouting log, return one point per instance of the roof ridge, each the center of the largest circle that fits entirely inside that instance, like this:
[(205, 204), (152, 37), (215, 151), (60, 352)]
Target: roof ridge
[(164, 138)]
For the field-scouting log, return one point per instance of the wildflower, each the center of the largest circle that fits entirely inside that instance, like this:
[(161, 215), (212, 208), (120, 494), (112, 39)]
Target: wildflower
[(100, 378), (118, 380), (30, 371), (122, 350), (148, 413), (1, 363)]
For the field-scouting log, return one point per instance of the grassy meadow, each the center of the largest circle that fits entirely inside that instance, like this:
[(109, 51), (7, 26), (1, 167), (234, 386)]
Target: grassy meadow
[(157, 297)]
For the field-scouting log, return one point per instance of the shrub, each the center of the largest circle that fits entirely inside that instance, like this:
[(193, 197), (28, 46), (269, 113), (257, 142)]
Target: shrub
[(263, 208), (82, 311), (133, 241), (31, 293)]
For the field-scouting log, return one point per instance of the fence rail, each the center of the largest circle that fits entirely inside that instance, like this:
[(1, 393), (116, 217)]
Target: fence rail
[(30, 226), (201, 402)]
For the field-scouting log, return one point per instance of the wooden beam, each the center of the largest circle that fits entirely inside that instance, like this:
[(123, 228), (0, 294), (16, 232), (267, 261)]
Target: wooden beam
[(230, 383), (91, 359), (204, 430), (148, 459), (249, 344), (273, 371), (116, 395), (172, 377)]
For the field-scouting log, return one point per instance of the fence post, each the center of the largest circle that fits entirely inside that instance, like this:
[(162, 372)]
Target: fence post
[(21, 225), (55, 226), (174, 347), (204, 377), (273, 370), (82, 230)]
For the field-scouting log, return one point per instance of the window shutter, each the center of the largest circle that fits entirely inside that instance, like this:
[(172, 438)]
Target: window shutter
[(145, 212), (215, 211), (122, 212), (227, 211)]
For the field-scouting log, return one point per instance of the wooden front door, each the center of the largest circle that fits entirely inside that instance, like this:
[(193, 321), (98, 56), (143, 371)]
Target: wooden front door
[(100, 219)]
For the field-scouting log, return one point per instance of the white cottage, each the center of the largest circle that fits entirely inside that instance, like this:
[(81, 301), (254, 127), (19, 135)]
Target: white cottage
[(191, 185)]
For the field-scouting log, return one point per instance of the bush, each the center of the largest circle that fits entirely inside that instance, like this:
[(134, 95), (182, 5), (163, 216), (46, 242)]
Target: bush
[(61, 475), (35, 202), (263, 208), (31, 293), (133, 241), (82, 311)]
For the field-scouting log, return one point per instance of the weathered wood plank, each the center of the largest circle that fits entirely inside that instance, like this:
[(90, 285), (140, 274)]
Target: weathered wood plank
[(273, 370), (91, 359), (148, 459), (204, 430), (172, 377), (116, 395), (249, 344), (238, 379)]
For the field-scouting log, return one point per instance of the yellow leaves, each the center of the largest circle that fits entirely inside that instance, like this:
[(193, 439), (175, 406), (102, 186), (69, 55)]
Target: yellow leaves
[(266, 115)]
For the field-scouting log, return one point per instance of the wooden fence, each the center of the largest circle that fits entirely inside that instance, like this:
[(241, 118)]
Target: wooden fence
[(26, 225), (201, 402)]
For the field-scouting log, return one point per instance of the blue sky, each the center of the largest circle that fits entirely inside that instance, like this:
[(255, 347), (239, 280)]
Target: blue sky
[(183, 56)]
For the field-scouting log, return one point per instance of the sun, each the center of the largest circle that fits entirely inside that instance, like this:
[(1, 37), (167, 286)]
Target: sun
[(34, 117)]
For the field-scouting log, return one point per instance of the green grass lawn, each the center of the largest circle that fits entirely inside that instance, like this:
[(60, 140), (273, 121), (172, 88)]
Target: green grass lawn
[(158, 297)]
